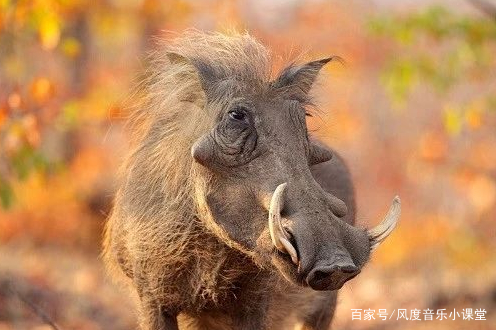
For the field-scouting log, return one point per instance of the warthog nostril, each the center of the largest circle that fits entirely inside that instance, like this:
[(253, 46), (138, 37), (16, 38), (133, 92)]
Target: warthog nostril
[(331, 277), (319, 276)]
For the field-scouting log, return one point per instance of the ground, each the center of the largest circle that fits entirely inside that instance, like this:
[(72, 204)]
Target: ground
[(71, 289)]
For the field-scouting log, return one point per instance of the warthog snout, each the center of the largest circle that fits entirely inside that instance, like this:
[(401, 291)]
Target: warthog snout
[(326, 250), (333, 276)]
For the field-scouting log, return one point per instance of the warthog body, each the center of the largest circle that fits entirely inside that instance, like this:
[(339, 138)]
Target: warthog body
[(229, 216)]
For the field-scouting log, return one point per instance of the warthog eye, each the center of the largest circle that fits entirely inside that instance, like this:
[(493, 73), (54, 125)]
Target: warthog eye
[(237, 114)]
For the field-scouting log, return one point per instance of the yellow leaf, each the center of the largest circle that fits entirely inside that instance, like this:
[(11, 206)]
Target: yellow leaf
[(4, 4), (71, 47), (49, 32), (453, 120)]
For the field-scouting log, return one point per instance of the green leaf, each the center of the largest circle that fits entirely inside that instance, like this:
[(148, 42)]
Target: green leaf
[(6, 195), (399, 80), (27, 160)]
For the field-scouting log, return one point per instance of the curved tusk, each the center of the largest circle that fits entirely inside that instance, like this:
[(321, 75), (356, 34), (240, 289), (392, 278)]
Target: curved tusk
[(278, 234), (275, 227), (379, 233), (289, 248)]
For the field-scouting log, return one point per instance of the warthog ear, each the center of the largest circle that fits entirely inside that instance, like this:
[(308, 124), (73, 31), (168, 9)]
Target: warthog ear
[(197, 93), (303, 76)]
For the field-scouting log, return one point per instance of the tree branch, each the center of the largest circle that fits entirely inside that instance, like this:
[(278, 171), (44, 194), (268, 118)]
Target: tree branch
[(36, 309)]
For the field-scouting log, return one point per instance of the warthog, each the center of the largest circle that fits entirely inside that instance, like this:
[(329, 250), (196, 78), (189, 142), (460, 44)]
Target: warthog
[(229, 215)]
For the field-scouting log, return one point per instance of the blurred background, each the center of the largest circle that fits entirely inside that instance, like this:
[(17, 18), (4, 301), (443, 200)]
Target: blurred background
[(413, 111)]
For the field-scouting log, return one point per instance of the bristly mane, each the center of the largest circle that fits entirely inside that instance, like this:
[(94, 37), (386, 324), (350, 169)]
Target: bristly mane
[(220, 57), (162, 195)]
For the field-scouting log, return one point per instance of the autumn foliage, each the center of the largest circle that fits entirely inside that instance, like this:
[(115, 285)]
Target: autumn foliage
[(413, 111)]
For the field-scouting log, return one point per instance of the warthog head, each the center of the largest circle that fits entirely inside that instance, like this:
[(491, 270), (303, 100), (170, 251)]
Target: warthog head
[(261, 197)]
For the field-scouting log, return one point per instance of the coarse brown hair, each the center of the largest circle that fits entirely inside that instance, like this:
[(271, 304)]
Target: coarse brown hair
[(159, 211)]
